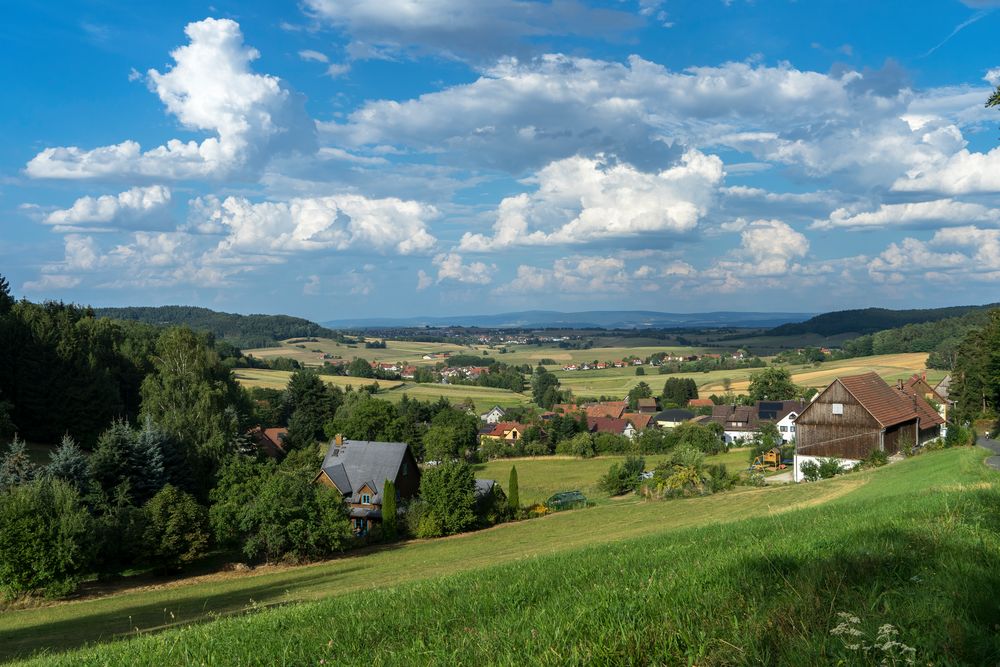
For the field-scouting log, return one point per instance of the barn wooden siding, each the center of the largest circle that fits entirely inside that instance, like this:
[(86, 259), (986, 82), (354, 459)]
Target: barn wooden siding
[(852, 435)]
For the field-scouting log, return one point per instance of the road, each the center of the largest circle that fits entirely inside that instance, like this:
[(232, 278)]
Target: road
[(993, 446)]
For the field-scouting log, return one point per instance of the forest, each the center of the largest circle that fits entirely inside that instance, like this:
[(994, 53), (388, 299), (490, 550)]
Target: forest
[(244, 331), (870, 320)]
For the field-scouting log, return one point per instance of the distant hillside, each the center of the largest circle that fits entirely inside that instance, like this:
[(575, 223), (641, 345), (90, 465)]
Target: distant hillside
[(870, 320), (245, 331), (596, 319)]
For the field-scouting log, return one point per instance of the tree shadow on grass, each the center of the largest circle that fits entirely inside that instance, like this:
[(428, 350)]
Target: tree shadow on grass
[(187, 607)]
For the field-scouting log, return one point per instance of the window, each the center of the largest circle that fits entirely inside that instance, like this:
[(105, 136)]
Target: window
[(359, 524), (791, 429), (783, 429), (838, 408), (366, 499)]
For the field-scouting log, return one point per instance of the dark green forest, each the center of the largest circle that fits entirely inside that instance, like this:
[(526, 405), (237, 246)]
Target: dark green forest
[(244, 331), (870, 320)]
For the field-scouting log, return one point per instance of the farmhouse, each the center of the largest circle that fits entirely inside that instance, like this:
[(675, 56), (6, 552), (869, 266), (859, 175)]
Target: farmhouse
[(359, 470), (700, 403), (859, 414), (640, 421), (918, 384), (739, 422)]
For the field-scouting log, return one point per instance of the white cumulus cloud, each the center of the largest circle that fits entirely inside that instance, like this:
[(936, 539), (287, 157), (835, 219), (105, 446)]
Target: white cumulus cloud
[(133, 207), (211, 88), (580, 200)]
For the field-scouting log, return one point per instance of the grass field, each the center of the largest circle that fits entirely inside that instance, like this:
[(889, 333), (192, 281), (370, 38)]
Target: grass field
[(540, 477), (754, 576), (259, 377)]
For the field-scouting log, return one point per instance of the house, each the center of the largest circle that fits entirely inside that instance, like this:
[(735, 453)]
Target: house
[(495, 414), (918, 383), (646, 405), (508, 432), (857, 415), (358, 469), (740, 422), (700, 403), (672, 418), (270, 441), (943, 386), (640, 421), (611, 425), (565, 408), (408, 372), (489, 497), (613, 409), (783, 414)]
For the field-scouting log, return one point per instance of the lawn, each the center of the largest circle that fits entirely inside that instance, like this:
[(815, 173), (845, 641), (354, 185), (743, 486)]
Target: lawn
[(753, 576), (749, 577), (540, 477)]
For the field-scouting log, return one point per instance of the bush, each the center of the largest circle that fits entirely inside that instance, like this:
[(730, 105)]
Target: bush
[(44, 538), (611, 443), (907, 447), (581, 444), (959, 436), (449, 490), (176, 531), (624, 477), (876, 459), (825, 469)]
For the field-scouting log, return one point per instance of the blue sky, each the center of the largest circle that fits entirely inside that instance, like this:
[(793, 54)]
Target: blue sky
[(337, 158)]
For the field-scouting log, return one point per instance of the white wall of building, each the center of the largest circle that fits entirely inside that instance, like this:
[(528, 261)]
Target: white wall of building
[(845, 464), (786, 427)]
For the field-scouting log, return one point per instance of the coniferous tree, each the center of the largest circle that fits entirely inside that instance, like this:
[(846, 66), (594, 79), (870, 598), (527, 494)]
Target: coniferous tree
[(112, 465), (389, 517), (68, 463), (16, 466), (6, 300), (146, 460), (513, 496)]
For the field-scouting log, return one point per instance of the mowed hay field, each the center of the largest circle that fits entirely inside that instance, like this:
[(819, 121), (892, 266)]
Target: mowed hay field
[(413, 352), (755, 576), (618, 381), (484, 398), (890, 367)]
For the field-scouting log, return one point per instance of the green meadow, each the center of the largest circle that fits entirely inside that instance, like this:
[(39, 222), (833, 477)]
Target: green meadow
[(754, 576)]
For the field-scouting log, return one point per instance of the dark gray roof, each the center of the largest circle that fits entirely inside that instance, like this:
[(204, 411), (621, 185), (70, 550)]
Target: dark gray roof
[(674, 415), (354, 463), (484, 487)]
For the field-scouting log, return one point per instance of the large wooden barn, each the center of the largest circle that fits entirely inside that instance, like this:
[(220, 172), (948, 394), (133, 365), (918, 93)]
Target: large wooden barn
[(859, 414)]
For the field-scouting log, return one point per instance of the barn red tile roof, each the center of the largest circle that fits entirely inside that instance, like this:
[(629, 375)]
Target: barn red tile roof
[(639, 419), (887, 405), (928, 415), (612, 409), (606, 425), (500, 429), (700, 403)]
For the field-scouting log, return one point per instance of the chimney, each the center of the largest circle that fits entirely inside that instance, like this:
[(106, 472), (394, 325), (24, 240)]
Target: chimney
[(338, 439), (899, 385)]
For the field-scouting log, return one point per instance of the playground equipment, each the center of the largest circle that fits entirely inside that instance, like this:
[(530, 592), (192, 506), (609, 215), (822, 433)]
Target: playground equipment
[(771, 459)]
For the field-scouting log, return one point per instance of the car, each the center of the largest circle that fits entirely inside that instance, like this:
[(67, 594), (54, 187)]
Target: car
[(566, 500)]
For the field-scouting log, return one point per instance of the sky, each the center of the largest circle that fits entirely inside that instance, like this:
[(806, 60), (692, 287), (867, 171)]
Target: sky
[(342, 158)]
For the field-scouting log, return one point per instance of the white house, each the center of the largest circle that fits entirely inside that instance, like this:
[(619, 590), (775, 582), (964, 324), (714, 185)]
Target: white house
[(496, 414), (786, 426)]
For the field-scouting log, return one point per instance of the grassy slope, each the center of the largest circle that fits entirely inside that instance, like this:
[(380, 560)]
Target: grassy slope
[(753, 576)]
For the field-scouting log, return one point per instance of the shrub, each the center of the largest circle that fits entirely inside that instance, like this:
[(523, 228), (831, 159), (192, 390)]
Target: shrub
[(809, 470), (16, 466), (44, 538), (389, 515), (624, 477), (513, 494), (825, 469), (959, 436), (611, 443), (876, 459), (719, 478), (907, 447), (176, 531), (581, 444)]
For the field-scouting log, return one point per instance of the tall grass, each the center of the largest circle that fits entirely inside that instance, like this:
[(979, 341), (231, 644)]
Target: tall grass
[(917, 546)]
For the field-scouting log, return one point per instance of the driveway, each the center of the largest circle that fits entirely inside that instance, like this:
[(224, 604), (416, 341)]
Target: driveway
[(993, 446)]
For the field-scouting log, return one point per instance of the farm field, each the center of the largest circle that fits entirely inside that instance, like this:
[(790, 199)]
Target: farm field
[(262, 377), (413, 352), (540, 477), (618, 381), (702, 579), (484, 398)]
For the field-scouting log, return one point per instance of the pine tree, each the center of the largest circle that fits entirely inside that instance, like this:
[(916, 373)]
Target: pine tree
[(112, 463), (389, 517), (6, 300), (16, 466), (69, 464), (513, 497), (146, 461)]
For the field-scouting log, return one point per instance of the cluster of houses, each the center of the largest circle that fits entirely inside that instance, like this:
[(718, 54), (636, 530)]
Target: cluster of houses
[(651, 361), (851, 418)]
